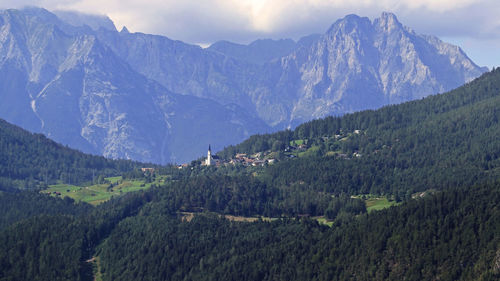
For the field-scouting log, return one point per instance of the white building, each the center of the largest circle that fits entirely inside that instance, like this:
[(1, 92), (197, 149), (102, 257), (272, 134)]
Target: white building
[(208, 162)]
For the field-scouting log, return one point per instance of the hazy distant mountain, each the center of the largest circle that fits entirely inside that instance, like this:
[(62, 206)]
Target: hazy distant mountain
[(150, 98), (75, 90), (185, 69), (357, 64), (258, 52), (79, 19)]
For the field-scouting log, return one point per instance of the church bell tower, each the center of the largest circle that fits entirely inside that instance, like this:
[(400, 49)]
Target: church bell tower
[(209, 157)]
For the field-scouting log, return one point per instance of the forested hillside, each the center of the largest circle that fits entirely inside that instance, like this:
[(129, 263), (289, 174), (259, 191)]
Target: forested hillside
[(449, 236), (389, 118), (452, 235), (21, 205), (239, 222), (30, 161), (438, 142)]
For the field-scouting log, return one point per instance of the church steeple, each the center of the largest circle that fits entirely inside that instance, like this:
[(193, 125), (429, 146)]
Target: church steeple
[(209, 156)]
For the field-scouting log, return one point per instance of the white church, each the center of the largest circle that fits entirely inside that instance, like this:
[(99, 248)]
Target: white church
[(211, 159)]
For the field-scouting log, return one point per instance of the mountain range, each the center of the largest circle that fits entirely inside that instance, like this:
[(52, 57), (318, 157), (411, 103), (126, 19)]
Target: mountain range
[(78, 80), (436, 161)]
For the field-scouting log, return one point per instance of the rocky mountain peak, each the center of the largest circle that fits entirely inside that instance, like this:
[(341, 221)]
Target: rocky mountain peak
[(38, 13), (95, 22), (150, 98), (387, 22), (257, 52), (349, 24)]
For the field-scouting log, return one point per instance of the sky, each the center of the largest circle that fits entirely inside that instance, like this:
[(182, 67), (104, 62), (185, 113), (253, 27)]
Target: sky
[(474, 25)]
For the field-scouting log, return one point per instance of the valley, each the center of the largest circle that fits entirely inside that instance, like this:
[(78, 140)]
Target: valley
[(422, 183), (380, 178)]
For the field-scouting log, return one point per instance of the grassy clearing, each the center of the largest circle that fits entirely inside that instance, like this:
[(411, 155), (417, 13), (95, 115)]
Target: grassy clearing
[(241, 219), (297, 142), (99, 193), (375, 203), (312, 151), (113, 180), (188, 216), (331, 153), (378, 203), (94, 194), (323, 220), (63, 188)]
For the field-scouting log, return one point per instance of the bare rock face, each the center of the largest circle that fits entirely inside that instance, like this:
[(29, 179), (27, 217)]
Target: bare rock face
[(257, 52), (496, 263), (359, 64), (62, 81), (129, 95)]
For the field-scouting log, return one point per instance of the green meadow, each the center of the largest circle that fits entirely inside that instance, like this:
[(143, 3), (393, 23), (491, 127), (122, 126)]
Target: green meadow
[(99, 193), (378, 203)]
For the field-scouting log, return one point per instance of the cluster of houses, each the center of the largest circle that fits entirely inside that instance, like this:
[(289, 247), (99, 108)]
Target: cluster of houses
[(254, 160), (260, 159), (301, 147), (238, 159), (147, 171)]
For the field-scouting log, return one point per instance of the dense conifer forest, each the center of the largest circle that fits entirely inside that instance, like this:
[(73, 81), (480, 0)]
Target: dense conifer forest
[(31, 161), (448, 236), (438, 156), (451, 235), (435, 143)]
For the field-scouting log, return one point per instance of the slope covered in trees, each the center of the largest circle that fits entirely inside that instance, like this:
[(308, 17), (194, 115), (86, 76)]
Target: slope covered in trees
[(248, 196), (447, 142), (441, 141), (448, 236), (451, 235), (21, 205), (389, 118), (31, 160)]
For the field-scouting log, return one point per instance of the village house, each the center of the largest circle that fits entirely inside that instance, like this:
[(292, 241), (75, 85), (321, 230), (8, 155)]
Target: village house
[(240, 155), (259, 163), (302, 147), (148, 170)]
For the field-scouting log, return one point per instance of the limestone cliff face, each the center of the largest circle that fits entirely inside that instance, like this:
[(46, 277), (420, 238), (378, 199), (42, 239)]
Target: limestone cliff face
[(62, 81), (257, 52), (358, 64), (150, 98)]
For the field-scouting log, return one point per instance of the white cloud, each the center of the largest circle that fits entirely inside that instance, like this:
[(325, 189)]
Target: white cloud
[(440, 5), (208, 20)]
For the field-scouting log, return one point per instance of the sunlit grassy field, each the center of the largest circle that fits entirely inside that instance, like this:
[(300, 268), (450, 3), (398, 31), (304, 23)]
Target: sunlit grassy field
[(99, 193), (380, 203)]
